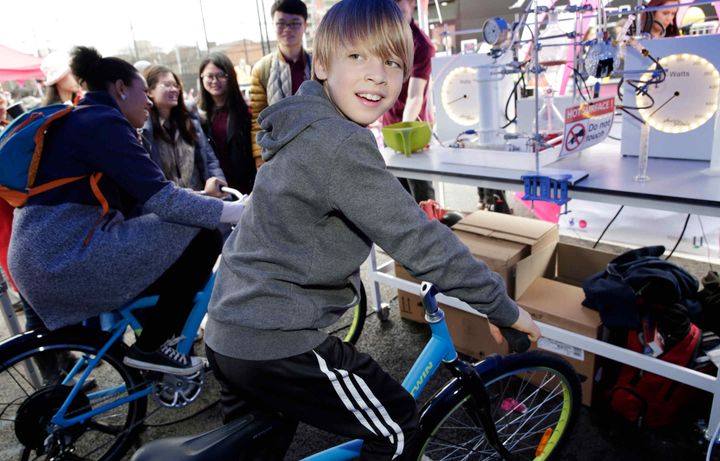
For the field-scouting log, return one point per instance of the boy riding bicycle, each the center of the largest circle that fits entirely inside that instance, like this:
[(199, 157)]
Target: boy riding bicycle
[(292, 267)]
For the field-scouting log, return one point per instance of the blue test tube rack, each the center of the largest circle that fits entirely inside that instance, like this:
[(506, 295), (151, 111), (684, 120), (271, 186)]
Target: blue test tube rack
[(547, 188)]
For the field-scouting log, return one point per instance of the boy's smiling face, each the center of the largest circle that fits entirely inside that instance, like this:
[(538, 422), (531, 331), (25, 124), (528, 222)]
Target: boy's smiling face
[(361, 84)]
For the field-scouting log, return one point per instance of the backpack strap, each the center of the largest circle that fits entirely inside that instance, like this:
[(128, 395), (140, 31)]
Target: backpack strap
[(40, 142), (17, 199), (94, 180)]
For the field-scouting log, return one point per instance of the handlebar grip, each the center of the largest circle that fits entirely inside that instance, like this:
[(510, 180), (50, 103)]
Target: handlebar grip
[(518, 341), (234, 192)]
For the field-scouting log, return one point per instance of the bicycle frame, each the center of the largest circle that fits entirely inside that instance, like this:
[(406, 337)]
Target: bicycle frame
[(117, 322), (439, 349)]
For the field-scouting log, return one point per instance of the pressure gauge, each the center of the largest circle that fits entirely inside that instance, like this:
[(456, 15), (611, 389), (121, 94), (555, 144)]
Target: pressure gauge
[(686, 99), (496, 32), (459, 96)]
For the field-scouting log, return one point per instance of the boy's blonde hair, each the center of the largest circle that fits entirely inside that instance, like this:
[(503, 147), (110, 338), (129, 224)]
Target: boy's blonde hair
[(376, 26)]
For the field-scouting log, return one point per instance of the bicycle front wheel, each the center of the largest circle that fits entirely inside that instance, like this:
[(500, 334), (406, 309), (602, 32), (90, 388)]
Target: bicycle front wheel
[(534, 399), (37, 372)]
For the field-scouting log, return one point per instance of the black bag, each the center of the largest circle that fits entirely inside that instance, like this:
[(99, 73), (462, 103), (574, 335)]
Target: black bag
[(636, 280)]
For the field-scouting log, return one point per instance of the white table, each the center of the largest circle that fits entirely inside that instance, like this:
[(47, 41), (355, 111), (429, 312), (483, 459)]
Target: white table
[(676, 185)]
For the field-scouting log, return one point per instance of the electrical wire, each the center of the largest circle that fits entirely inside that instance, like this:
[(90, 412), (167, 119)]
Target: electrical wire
[(510, 97), (682, 233), (578, 78), (608, 225)]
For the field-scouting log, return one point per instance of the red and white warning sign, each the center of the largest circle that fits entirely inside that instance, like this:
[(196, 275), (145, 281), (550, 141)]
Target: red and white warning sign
[(587, 124)]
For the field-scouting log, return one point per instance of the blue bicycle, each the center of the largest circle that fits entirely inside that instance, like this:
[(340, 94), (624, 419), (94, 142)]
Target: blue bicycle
[(517, 407), (67, 395)]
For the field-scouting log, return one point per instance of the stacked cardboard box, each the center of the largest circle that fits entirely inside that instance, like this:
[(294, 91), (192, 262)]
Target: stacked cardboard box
[(543, 275)]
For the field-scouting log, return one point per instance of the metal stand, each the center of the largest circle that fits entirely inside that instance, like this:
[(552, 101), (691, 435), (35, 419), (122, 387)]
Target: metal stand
[(8, 312)]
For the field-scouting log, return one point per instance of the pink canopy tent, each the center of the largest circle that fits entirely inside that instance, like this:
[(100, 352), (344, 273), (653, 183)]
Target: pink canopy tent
[(15, 65)]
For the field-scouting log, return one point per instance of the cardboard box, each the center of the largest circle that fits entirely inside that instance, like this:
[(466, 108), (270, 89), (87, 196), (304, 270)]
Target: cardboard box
[(519, 249), (470, 331), (557, 300), (543, 275)]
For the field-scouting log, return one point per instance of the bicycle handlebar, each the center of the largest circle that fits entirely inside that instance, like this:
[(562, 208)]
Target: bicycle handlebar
[(234, 192), (518, 341)]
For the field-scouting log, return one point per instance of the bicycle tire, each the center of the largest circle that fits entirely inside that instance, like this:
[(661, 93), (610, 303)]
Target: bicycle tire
[(31, 367), (358, 321), (532, 421)]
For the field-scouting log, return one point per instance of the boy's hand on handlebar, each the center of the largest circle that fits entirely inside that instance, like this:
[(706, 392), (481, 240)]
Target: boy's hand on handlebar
[(524, 323), (212, 187)]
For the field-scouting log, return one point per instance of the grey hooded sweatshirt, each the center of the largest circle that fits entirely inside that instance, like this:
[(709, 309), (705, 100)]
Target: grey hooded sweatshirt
[(323, 196)]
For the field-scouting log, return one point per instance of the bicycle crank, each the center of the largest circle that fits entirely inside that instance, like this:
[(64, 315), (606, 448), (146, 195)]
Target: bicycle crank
[(174, 391)]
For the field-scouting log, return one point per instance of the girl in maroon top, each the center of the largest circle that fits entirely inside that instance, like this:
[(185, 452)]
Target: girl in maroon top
[(227, 121)]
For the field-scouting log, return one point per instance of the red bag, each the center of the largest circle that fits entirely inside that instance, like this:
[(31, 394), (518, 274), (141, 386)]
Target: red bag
[(647, 399), (432, 209)]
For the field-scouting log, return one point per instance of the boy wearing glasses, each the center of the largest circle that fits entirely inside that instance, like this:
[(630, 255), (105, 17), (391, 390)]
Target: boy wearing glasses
[(279, 74), (291, 267)]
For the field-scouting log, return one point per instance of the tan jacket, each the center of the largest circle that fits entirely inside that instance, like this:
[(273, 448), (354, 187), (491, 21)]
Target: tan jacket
[(259, 97)]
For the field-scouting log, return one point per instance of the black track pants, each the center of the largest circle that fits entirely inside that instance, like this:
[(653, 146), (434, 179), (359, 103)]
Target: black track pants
[(177, 288), (333, 387)]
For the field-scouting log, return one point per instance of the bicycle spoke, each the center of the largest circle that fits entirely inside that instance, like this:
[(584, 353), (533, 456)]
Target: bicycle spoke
[(103, 436), (528, 397)]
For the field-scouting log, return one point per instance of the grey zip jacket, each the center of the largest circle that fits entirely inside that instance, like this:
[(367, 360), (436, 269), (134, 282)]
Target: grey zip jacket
[(322, 198)]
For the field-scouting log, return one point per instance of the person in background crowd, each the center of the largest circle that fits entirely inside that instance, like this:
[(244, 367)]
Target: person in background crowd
[(4, 104), (411, 105), (60, 82), (226, 121), (279, 74), (175, 139), (155, 238), (659, 23)]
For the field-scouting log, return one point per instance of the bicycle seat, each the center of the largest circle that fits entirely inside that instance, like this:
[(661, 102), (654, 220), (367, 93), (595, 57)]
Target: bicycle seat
[(210, 446)]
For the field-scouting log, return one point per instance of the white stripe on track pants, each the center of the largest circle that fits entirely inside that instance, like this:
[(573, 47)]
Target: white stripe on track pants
[(333, 387)]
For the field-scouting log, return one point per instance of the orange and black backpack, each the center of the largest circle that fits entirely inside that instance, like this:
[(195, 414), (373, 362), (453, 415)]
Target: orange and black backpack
[(21, 146)]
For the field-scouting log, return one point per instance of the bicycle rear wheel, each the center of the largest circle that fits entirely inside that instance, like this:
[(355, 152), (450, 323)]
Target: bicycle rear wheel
[(534, 399), (32, 369)]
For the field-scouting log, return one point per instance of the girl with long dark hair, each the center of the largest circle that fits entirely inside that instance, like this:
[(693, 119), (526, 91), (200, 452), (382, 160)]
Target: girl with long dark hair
[(175, 139), (226, 121)]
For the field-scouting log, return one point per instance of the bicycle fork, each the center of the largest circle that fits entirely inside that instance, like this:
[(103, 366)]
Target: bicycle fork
[(479, 405)]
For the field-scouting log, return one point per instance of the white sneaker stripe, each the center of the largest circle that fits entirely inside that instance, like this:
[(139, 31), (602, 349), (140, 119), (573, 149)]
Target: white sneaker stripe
[(343, 396)]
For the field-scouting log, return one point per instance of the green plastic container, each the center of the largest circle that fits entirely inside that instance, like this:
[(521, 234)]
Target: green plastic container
[(407, 137)]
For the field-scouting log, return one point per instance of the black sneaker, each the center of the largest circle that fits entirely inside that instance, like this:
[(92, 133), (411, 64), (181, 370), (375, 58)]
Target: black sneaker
[(167, 359)]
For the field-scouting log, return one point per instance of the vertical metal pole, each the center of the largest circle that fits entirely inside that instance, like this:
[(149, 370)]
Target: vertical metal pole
[(537, 70), (202, 17), (375, 288), (264, 18), (134, 43), (13, 326), (8, 312), (578, 32), (714, 413)]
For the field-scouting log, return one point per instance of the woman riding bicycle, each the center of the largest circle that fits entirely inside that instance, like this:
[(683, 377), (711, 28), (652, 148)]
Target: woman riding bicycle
[(93, 245)]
